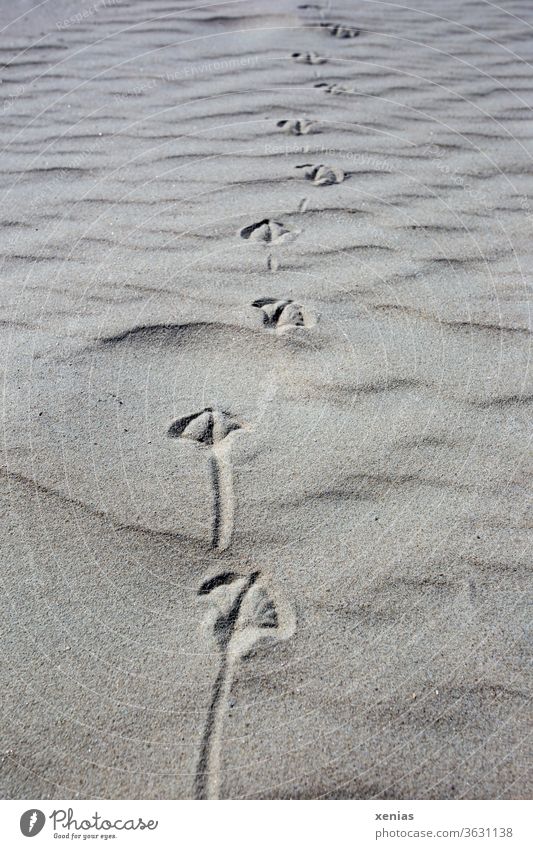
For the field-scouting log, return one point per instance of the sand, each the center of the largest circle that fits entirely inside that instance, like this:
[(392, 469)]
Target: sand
[(265, 334)]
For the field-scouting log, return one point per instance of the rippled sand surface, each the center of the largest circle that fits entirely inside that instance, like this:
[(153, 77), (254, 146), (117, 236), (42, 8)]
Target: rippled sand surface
[(266, 335)]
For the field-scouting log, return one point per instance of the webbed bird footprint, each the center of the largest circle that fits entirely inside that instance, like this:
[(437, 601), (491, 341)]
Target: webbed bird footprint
[(323, 175), (231, 593), (268, 231), (210, 427), (309, 58), (297, 126), (243, 613), (207, 427), (334, 88), (282, 313), (341, 31)]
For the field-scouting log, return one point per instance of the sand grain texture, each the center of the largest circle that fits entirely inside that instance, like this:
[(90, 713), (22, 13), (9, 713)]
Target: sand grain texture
[(316, 223)]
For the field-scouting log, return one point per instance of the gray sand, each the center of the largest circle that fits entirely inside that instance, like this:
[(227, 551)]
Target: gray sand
[(356, 482)]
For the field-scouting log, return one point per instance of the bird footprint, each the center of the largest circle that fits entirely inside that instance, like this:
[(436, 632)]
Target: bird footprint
[(310, 58), (341, 31), (297, 127), (209, 428), (334, 88), (268, 231), (282, 313), (323, 175), (242, 614)]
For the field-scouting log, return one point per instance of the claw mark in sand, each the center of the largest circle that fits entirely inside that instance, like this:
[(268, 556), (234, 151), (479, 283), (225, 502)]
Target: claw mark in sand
[(242, 615), (298, 127), (282, 313), (323, 175), (272, 263), (311, 58), (268, 231), (209, 428)]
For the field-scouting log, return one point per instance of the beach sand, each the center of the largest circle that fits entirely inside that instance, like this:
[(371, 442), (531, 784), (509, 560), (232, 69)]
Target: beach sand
[(265, 335)]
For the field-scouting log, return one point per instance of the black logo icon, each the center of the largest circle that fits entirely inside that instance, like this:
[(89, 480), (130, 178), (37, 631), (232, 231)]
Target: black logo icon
[(32, 822)]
